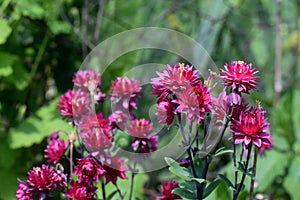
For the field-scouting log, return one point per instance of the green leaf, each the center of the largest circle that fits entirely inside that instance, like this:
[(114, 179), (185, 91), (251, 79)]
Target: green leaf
[(221, 152), (31, 8), (6, 64), (199, 180), (35, 128), (226, 180), (291, 182), (58, 27), (5, 30), (20, 76), (182, 192), (179, 171), (208, 190)]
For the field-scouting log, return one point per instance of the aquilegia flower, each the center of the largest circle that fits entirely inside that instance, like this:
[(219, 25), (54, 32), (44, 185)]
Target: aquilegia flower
[(114, 168), (166, 111), (81, 191), (167, 188), (118, 120), (145, 145), (88, 170), (89, 80), (23, 191), (74, 104), (239, 76), (252, 126), (140, 128), (55, 149)]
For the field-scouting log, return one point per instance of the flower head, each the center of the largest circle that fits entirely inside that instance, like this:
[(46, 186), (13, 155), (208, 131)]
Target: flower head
[(74, 104), (167, 188), (55, 149), (251, 127), (88, 170), (239, 76), (23, 191), (45, 178), (118, 120), (140, 128), (113, 169), (145, 145), (81, 191), (166, 111), (124, 92), (195, 101)]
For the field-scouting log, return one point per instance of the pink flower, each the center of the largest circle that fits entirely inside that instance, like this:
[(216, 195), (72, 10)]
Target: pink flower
[(90, 81), (23, 191), (251, 127), (95, 124), (55, 149), (81, 191), (167, 188), (145, 145), (45, 178), (124, 92), (118, 120), (74, 104), (239, 76), (88, 170), (113, 169), (266, 145), (195, 102), (173, 79), (140, 128), (227, 105), (166, 111), (97, 143)]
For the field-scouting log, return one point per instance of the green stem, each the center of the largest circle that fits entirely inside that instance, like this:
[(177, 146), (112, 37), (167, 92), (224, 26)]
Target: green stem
[(40, 53), (132, 179), (119, 192), (236, 194), (103, 189), (251, 193)]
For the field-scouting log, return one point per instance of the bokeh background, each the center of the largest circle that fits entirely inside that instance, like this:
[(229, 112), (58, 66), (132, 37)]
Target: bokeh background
[(43, 42)]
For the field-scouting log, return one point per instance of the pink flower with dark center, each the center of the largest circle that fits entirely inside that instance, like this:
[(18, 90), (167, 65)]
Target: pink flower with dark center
[(124, 92), (173, 79), (55, 149), (240, 76), (140, 128), (45, 178), (145, 145), (166, 111), (95, 124), (195, 102), (251, 126), (74, 104), (227, 105), (88, 170), (81, 191), (118, 120), (59, 180), (167, 188), (114, 168), (23, 191)]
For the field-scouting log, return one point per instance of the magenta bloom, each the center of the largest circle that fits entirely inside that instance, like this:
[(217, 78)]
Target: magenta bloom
[(89, 80), (55, 149), (145, 145), (45, 178), (23, 191), (95, 124), (167, 188), (266, 145), (166, 111), (88, 170), (251, 127), (195, 102), (74, 104), (124, 92), (114, 168), (118, 120), (239, 76), (81, 191), (174, 78), (140, 128)]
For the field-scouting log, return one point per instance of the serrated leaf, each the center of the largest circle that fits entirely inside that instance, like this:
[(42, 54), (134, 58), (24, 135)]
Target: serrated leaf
[(182, 192), (208, 190), (5, 30)]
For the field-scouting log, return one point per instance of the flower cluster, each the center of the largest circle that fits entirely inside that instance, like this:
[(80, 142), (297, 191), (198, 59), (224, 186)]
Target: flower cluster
[(179, 90)]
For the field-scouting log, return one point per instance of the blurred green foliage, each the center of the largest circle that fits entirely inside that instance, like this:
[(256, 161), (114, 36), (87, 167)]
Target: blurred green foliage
[(43, 42)]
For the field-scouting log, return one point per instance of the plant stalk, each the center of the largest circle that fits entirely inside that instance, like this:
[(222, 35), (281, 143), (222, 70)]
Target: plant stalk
[(251, 193)]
